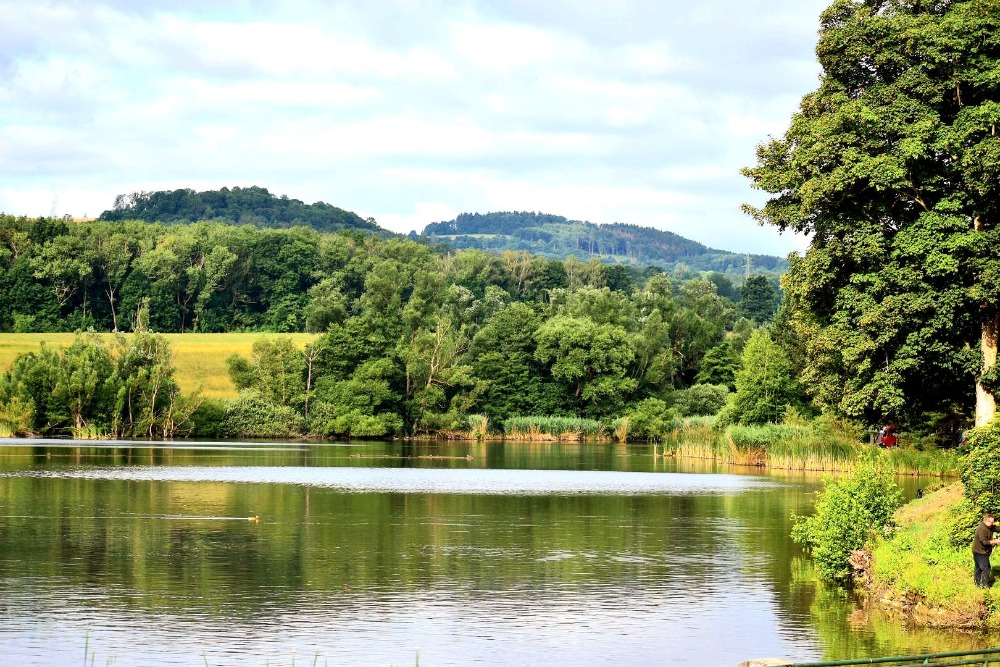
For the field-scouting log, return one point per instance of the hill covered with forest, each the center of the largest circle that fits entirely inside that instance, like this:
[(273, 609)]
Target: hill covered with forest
[(253, 205), (546, 235), (557, 237)]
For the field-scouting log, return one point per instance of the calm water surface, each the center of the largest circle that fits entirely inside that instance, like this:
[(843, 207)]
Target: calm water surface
[(394, 553)]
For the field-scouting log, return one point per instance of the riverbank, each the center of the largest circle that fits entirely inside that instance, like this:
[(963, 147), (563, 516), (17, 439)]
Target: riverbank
[(924, 574), (805, 447)]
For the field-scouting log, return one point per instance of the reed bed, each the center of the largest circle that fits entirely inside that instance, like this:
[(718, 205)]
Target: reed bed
[(561, 429), (87, 432), (479, 427), (797, 447)]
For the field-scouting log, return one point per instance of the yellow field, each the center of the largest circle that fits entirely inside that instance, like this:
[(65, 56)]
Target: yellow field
[(200, 358)]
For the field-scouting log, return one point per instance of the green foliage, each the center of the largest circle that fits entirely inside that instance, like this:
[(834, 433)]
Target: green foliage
[(556, 236), (125, 390), (277, 370), (981, 468), (962, 519), (426, 336), (253, 205), (890, 168), (208, 420), (592, 359), (651, 420), (16, 416), (758, 299), (719, 365), (848, 512), (338, 420), (700, 399), (531, 426), (251, 415), (765, 387)]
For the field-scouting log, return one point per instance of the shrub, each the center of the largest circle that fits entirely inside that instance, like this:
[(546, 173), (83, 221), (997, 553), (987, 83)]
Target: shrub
[(961, 523), (16, 416), (981, 468), (331, 420), (250, 415), (207, 421), (651, 420), (848, 510), (701, 399)]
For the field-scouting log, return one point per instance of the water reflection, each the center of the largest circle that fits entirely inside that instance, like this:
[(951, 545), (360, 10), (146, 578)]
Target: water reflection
[(146, 554), (403, 480)]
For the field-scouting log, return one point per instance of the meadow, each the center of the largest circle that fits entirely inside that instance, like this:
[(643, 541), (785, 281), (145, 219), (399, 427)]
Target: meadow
[(200, 358)]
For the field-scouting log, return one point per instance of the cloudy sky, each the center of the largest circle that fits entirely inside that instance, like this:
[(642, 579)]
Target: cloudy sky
[(409, 111)]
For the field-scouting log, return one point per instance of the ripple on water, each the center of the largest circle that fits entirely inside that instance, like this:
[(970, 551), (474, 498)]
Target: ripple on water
[(433, 480)]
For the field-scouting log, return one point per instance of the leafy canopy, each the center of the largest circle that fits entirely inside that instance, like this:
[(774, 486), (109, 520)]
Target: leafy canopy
[(892, 167)]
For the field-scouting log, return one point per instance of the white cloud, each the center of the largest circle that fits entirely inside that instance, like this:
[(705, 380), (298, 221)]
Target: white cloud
[(410, 112)]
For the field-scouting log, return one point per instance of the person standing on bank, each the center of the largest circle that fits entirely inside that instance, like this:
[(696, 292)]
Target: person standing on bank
[(982, 545)]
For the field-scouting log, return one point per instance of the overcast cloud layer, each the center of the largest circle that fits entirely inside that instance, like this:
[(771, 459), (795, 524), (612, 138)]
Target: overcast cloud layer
[(410, 112)]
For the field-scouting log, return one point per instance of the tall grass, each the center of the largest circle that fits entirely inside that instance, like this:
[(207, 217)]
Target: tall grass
[(87, 432), (552, 428), (800, 446), (479, 427), (621, 429)]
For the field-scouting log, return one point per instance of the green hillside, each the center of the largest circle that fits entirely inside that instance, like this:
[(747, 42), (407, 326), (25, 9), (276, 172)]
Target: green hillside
[(253, 205), (557, 237)]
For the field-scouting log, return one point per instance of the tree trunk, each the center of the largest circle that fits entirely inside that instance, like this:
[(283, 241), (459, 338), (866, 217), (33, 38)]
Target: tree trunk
[(986, 402)]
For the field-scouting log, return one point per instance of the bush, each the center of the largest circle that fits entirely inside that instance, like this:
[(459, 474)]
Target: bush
[(961, 524), (701, 399), (331, 420), (651, 420), (981, 468), (207, 421), (250, 415), (16, 417), (848, 510)]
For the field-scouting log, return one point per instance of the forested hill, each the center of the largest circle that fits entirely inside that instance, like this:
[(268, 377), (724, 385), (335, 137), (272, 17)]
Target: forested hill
[(253, 205), (557, 237)]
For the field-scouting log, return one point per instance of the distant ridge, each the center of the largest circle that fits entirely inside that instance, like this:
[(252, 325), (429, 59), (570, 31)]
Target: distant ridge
[(558, 237), (253, 205)]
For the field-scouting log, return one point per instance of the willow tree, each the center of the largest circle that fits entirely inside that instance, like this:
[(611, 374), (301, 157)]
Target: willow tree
[(892, 167)]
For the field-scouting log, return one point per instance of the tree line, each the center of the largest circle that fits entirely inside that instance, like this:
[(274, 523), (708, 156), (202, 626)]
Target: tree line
[(413, 339), (556, 236), (253, 205)]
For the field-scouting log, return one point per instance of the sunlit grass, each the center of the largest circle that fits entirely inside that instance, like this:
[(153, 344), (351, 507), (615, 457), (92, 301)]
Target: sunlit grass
[(200, 359), (537, 428), (800, 448), (919, 571)]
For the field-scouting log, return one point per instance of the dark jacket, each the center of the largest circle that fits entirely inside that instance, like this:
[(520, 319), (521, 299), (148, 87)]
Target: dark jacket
[(981, 542)]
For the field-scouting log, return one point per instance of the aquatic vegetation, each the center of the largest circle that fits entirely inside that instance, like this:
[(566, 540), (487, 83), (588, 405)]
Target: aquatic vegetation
[(806, 447), (552, 428)]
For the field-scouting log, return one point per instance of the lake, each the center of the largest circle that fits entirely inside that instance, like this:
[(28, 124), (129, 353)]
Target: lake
[(400, 553)]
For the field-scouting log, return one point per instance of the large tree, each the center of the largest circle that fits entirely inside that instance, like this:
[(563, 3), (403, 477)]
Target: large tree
[(892, 167)]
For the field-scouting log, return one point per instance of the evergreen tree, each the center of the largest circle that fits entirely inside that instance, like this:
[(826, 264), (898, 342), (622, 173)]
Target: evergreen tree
[(757, 299)]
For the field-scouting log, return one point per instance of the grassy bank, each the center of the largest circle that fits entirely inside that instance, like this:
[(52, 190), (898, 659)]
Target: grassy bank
[(799, 447), (200, 358), (919, 573)]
